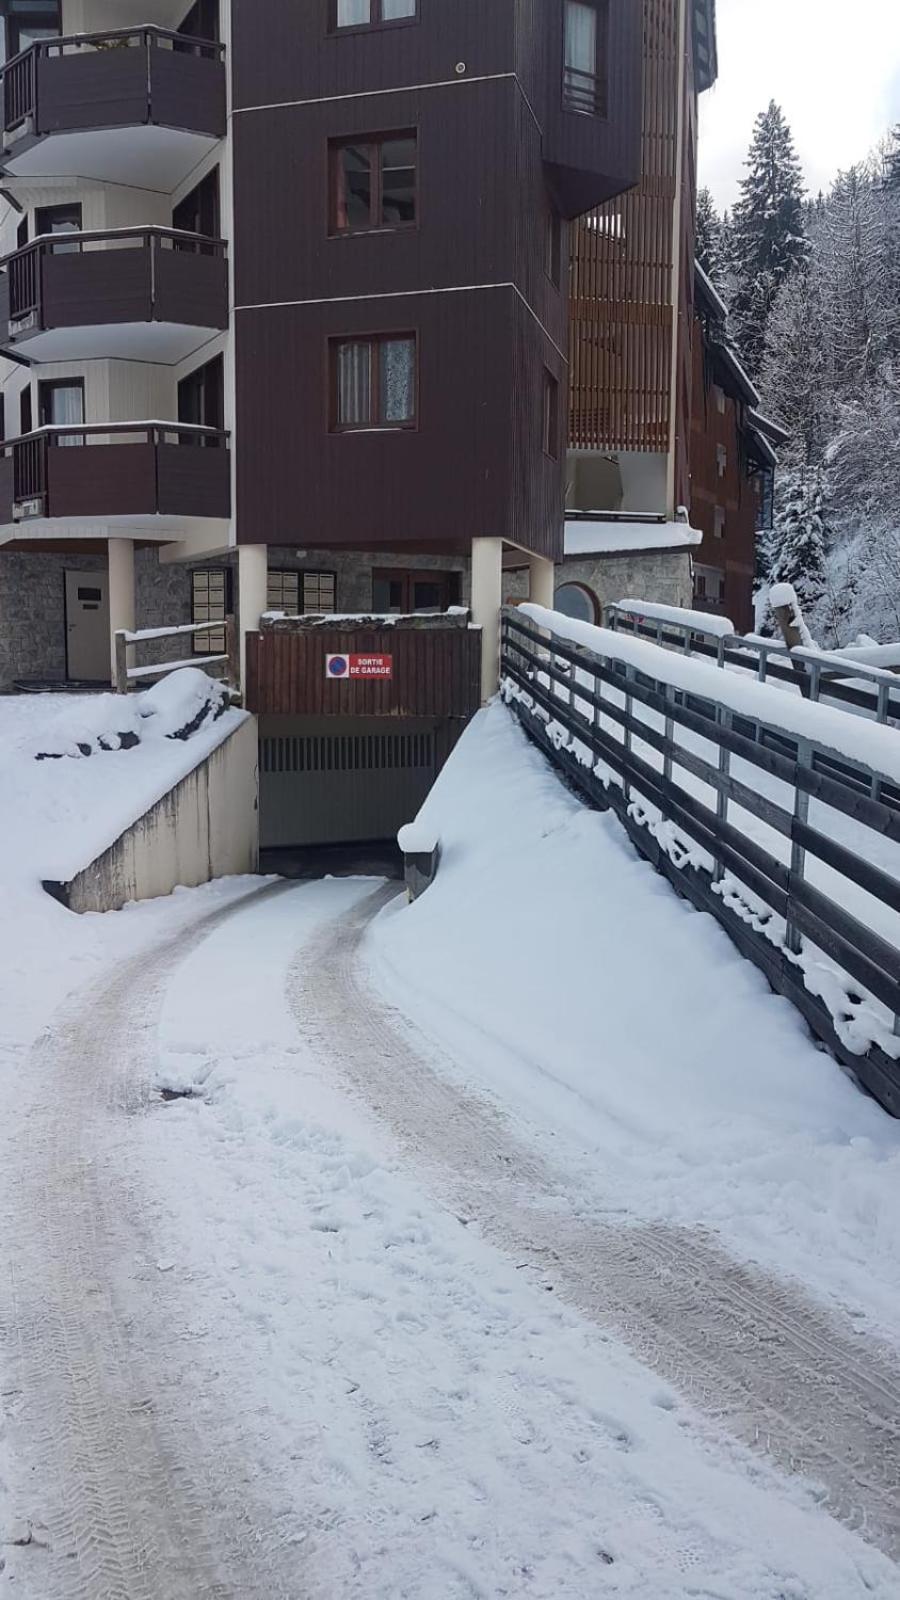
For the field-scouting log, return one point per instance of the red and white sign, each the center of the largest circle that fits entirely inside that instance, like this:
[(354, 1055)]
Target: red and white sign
[(338, 668)]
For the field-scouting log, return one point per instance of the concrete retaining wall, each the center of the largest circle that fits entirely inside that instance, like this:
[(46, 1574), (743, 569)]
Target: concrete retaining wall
[(206, 827)]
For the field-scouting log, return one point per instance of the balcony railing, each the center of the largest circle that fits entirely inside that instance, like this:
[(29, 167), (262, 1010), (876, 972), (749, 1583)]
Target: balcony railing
[(122, 469), (150, 274), (119, 78), (584, 91)]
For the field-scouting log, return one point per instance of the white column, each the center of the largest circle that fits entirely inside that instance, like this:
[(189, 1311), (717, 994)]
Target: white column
[(253, 573), (541, 581), (487, 598), (121, 594)]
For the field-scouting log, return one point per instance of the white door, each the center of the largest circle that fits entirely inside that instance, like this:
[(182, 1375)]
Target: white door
[(87, 627)]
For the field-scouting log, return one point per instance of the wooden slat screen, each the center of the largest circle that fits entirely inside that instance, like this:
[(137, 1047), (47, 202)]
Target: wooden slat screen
[(436, 672), (622, 324)]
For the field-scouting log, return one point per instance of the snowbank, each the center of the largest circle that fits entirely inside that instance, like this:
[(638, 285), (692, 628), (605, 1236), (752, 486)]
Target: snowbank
[(584, 537), (569, 978), (700, 621), (176, 708)]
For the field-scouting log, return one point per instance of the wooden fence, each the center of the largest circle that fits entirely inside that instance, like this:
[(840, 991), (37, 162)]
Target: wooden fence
[(776, 835)]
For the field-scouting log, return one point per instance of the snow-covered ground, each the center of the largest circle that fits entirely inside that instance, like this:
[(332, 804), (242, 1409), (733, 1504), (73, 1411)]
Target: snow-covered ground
[(336, 1326)]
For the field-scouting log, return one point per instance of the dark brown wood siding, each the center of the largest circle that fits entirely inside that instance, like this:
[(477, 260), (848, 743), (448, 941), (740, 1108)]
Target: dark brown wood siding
[(436, 672), (736, 492), (470, 279)]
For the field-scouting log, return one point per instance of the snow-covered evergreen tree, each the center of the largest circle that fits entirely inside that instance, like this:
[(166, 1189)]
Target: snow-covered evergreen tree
[(797, 545), (709, 236), (769, 230)]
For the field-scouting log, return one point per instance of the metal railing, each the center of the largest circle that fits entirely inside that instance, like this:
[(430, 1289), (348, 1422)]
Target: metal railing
[(584, 92), (815, 673), (25, 266), (20, 76), (720, 801), (30, 452)]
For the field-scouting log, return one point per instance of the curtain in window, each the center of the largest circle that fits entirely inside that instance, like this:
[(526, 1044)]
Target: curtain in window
[(581, 38), (354, 384), (398, 8), (398, 380), (66, 405), (350, 13)]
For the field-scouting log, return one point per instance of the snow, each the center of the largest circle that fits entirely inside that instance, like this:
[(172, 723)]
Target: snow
[(584, 537), (698, 621), (360, 619), (417, 839), (859, 740), (564, 975), (56, 816), (366, 1396)]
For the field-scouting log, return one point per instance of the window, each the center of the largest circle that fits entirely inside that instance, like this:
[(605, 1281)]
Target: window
[(201, 399), (373, 183), (709, 584), (209, 603), (551, 416), (574, 600), (585, 55), (299, 593), (554, 248), (373, 382), (399, 590), (28, 21), (26, 413), (719, 522), (56, 220), (61, 402), (368, 13), (719, 396), (199, 211), (721, 460), (202, 21)]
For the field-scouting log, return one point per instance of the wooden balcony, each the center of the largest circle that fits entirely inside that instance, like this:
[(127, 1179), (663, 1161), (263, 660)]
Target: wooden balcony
[(116, 472), (144, 294), (163, 93)]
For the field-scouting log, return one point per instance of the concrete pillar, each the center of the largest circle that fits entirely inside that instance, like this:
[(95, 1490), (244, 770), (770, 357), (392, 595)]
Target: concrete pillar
[(253, 573), (121, 594), (487, 598), (541, 581)]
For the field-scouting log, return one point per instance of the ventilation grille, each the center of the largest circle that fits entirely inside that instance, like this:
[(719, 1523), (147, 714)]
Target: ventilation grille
[(362, 752)]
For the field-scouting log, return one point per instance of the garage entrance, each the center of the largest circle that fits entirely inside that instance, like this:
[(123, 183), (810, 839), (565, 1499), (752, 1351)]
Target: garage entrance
[(326, 780)]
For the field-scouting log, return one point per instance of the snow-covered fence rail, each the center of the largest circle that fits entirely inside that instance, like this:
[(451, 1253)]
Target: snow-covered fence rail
[(779, 817), (222, 665), (840, 676)]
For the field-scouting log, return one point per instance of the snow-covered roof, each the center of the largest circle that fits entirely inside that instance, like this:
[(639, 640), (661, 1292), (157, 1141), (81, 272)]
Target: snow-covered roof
[(767, 425), (588, 536), (710, 293)]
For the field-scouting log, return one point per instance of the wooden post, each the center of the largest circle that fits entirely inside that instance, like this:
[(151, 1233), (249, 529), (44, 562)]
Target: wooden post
[(790, 621), (121, 652)]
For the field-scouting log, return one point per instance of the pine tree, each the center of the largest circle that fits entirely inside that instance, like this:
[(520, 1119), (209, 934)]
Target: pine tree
[(769, 229), (797, 547), (709, 236), (795, 375), (892, 161)]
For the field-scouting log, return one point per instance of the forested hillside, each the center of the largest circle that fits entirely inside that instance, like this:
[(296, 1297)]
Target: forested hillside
[(813, 286)]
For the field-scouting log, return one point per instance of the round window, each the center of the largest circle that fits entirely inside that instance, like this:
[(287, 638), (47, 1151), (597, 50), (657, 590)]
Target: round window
[(574, 600)]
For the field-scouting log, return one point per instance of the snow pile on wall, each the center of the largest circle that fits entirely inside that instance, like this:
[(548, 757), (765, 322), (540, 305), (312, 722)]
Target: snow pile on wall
[(568, 977), (176, 708)]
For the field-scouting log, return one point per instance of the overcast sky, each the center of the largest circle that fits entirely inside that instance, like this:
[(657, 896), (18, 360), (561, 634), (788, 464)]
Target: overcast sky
[(834, 69)]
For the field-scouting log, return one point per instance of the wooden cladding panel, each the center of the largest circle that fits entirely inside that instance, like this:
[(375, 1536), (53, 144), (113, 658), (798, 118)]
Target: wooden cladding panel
[(436, 672), (622, 275)]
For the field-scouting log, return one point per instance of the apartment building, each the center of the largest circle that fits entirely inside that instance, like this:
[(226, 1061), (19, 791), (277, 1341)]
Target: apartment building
[(628, 492), (284, 303)]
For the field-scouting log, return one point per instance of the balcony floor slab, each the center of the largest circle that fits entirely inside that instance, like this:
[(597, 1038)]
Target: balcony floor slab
[(162, 343), (145, 157)]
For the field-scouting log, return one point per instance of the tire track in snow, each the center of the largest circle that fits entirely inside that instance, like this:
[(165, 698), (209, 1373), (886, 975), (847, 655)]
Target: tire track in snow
[(769, 1366), (131, 1498)]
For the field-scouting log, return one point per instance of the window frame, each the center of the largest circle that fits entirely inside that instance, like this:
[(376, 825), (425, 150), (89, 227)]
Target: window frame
[(48, 386), (447, 578), (374, 143), (600, 107), (375, 341), (720, 522), (551, 422), (376, 19)]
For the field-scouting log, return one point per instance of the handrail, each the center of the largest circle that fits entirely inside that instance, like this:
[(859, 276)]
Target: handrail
[(50, 431), (763, 822), (141, 34), (44, 241)]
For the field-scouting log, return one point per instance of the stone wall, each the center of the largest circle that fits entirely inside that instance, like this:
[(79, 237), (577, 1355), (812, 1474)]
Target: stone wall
[(33, 613), (660, 575)]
